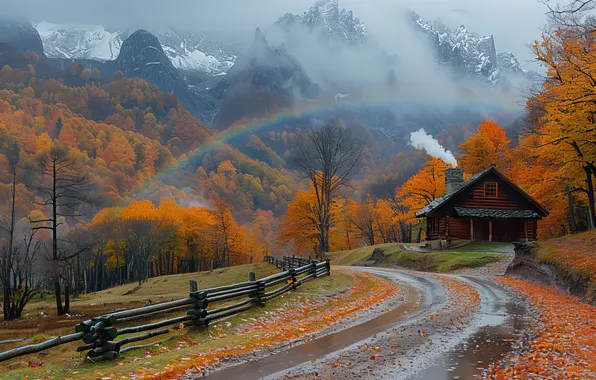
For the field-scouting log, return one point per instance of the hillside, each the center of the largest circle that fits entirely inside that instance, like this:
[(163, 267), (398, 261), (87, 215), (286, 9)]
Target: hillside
[(568, 262), (389, 255)]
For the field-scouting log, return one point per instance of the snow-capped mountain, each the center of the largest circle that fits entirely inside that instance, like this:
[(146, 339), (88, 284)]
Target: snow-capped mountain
[(325, 17), (142, 56), (187, 51), (468, 52), (79, 41), (508, 64)]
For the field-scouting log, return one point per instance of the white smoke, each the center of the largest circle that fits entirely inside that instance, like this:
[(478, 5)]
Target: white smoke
[(423, 141)]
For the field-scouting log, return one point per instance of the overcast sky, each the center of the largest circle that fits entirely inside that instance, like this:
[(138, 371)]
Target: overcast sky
[(514, 23)]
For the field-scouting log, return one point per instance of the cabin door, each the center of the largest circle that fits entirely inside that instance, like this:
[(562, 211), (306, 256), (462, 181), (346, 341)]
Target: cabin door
[(481, 230), (502, 229)]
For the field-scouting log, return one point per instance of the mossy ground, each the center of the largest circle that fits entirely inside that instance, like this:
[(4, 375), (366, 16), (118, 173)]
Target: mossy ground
[(424, 261), (64, 362)]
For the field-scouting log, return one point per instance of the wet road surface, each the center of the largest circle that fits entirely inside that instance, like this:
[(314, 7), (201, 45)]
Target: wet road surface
[(446, 354)]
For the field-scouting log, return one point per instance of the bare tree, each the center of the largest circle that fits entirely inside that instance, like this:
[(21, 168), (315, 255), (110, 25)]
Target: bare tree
[(64, 189), (22, 283), (6, 259), (576, 14), (330, 156)]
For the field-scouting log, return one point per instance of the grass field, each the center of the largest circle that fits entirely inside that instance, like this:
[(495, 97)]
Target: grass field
[(573, 254), (424, 261), (158, 289), (64, 361)]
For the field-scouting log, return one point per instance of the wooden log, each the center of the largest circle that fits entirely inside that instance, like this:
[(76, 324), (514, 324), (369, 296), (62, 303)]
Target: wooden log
[(224, 288), (193, 286), (226, 308), (154, 314), (228, 313), (279, 281), (85, 347), (156, 325), (33, 348), (152, 308), (274, 277), (211, 296), (199, 313), (14, 341), (227, 296), (279, 291), (138, 338), (130, 348), (307, 278)]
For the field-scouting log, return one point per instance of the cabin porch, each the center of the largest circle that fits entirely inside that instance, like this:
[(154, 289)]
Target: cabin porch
[(482, 229)]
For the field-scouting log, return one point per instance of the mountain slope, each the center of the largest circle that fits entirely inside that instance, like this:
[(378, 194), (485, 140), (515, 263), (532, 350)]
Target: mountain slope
[(187, 51), (142, 56), (21, 35), (467, 53), (324, 17), (265, 67)]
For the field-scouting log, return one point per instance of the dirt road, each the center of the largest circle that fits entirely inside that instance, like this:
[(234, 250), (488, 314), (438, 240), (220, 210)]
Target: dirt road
[(449, 327)]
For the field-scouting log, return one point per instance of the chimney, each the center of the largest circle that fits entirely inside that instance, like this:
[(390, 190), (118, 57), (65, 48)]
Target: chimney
[(453, 180)]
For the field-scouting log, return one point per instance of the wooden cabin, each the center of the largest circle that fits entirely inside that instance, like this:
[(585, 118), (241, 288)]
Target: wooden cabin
[(486, 207)]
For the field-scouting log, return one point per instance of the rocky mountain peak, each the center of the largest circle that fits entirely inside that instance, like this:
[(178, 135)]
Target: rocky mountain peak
[(326, 9), (142, 56), (21, 35), (325, 17), (271, 69), (260, 37), (141, 42), (468, 53)]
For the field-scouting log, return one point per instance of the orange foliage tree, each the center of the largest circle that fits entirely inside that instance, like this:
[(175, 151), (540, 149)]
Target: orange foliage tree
[(561, 141), (422, 188), (489, 146)]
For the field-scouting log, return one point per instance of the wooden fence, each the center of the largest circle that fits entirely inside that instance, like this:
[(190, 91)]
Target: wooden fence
[(99, 334), (289, 262)]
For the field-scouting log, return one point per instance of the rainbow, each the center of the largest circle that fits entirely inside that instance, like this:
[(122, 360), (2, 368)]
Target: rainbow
[(325, 109)]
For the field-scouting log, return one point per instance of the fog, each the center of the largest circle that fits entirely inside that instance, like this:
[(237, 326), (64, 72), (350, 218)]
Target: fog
[(514, 23), (364, 70)]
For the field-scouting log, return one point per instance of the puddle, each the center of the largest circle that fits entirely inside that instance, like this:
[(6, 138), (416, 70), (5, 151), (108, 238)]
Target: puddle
[(499, 329), (318, 348)]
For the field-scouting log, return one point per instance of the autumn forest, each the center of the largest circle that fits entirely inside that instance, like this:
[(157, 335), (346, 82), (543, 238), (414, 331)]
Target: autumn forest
[(107, 180)]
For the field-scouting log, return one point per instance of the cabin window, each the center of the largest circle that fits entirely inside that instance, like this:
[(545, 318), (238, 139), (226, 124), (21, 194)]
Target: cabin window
[(491, 189)]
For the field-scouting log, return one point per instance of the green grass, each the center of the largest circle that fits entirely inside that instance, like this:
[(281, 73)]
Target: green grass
[(424, 261), (64, 362), (494, 247)]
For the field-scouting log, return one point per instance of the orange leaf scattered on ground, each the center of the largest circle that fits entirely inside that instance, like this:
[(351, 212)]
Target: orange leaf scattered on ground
[(367, 290), (565, 344)]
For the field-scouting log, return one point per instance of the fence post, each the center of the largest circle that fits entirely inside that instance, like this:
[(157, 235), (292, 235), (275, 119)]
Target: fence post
[(328, 265), (260, 298), (313, 269), (199, 308), (99, 336), (193, 286)]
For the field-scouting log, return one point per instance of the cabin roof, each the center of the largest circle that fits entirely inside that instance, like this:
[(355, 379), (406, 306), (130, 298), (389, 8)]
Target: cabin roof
[(496, 213), (442, 200)]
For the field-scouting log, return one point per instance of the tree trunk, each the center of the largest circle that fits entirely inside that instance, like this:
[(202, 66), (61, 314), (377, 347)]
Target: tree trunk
[(571, 216), (591, 211), (6, 303), (67, 297), (59, 308)]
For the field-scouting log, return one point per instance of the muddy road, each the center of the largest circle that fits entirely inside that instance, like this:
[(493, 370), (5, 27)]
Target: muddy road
[(448, 327)]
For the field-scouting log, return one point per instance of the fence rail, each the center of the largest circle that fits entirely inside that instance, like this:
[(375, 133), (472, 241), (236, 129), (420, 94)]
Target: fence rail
[(99, 334), (289, 262)]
